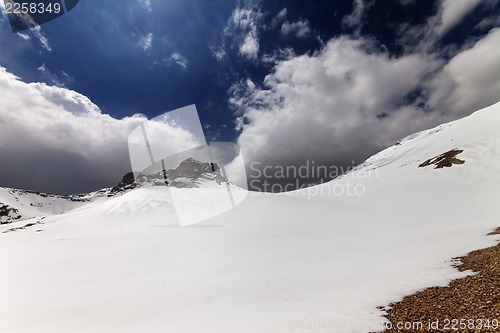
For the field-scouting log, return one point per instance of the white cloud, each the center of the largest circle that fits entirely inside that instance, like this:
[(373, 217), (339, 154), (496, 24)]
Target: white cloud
[(278, 55), (424, 38), (55, 139), (452, 12), (325, 107), (470, 80), (38, 34), (35, 32), (355, 19), (146, 42), (279, 18), (178, 59), (282, 14), (242, 30), (218, 52), (250, 85), (247, 21), (299, 29), (350, 100), (250, 46), (55, 79), (23, 36), (489, 22), (146, 4)]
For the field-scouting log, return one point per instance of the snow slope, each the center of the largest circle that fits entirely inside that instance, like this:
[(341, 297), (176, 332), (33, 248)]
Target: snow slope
[(27, 205), (320, 259), (32, 204)]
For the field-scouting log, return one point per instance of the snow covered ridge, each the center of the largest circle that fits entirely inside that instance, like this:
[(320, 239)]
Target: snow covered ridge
[(18, 205), (311, 260), (443, 146), (190, 173), (21, 205)]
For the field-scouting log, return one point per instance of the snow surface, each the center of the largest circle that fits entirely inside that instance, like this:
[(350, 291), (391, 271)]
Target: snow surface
[(309, 260), (31, 204)]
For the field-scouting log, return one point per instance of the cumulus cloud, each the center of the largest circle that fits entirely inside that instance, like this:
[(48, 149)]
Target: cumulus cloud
[(328, 107), (146, 42), (55, 139), (299, 29), (351, 100), (470, 80)]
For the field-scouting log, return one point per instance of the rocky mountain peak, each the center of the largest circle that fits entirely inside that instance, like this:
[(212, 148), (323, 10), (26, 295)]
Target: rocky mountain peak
[(191, 168), (190, 173)]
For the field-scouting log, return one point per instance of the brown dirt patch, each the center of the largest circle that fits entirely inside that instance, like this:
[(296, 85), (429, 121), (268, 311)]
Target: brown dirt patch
[(444, 160), (495, 232), (474, 299)]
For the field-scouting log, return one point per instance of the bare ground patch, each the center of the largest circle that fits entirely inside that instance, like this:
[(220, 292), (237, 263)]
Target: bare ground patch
[(474, 299), (444, 160)]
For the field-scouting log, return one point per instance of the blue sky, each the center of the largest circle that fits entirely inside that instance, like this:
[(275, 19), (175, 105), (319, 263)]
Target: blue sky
[(290, 81), (150, 57)]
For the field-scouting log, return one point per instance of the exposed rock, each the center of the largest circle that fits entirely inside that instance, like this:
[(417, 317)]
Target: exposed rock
[(192, 168), (129, 178), (444, 160), (32, 224), (189, 174), (8, 214)]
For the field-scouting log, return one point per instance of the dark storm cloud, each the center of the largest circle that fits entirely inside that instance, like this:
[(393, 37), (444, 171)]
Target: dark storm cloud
[(54, 139), (325, 107)]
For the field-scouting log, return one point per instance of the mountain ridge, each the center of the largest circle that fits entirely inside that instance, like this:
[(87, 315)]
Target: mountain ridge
[(274, 262), (190, 173)]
